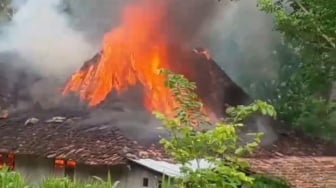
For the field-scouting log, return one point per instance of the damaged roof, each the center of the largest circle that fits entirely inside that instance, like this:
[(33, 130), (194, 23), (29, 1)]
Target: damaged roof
[(98, 144), (65, 138), (298, 159)]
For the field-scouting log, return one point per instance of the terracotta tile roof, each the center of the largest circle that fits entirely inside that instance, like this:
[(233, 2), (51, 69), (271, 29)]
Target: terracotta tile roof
[(304, 161), (97, 146), (295, 143), (301, 172), (297, 159)]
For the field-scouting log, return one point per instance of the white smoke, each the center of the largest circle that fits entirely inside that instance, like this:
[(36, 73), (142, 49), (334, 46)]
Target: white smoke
[(54, 43), (242, 37), (40, 33)]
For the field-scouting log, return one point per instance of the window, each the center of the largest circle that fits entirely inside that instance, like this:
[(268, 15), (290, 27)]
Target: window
[(62, 163), (7, 160), (159, 184), (2, 161), (70, 169), (59, 163), (69, 172), (67, 165), (145, 182), (11, 161)]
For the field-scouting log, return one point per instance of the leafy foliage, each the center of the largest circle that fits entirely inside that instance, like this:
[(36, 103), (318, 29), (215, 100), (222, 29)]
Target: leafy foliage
[(266, 181), (241, 112), (305, 80), (10, 179), (67, 183), (194, 137)]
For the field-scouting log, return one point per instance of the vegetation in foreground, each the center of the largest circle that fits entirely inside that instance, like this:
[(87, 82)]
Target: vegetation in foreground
[(11, 179), (301, 99), (192, 137), (195, 138)]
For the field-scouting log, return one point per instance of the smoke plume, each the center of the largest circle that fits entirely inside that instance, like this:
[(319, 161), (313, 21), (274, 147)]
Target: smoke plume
[(55, 37), (241, 38), (40, 33)]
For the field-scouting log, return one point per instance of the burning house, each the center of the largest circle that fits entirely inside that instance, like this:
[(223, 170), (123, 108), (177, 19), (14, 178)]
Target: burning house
[(100, 120), (92, 140)]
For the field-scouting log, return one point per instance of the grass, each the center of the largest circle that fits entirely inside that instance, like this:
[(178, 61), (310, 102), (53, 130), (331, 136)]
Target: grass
[(66, 183), (260, 181), (266, 181), (11, 179)]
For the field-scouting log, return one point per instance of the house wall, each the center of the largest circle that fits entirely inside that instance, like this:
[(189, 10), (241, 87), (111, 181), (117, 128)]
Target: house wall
[(134, 177), (86, 172), (129, 176), (34, 169)]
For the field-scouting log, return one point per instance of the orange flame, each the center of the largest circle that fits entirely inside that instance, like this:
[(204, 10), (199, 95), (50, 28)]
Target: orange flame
[(132, 54)]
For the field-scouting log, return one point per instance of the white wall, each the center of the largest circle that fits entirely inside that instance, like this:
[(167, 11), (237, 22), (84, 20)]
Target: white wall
[(85, 172), (135, 176), (34, 169), (129, 176)]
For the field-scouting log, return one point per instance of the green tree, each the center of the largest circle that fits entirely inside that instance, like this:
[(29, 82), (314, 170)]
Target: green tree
[(305, 80), (194, 137)]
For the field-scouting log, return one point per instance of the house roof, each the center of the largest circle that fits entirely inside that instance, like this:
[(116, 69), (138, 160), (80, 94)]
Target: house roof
[(300, 171), (163, 167), (168, 168), (99, 145), (297, 158), (107, 145)]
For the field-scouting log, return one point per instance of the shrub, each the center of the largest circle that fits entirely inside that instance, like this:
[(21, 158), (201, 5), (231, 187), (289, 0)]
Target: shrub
[(96, 182), (195, 138), (266, 181), (11, 179)]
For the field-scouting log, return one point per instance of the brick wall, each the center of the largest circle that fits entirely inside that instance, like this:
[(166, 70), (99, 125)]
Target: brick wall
[(301, 172)]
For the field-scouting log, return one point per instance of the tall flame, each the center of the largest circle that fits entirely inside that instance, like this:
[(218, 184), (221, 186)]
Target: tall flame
[(132, 53)]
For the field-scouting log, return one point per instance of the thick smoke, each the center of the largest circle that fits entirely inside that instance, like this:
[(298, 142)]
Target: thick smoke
[(95, 18), (241, 39), (40, 33), (182, 21), (238, 35), (55, 37), (46, 45)]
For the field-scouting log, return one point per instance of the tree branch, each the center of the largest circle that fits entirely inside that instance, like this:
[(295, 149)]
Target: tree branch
[(331, 43)]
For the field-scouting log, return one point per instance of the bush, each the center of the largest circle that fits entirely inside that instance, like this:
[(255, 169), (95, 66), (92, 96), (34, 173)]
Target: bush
[(10, 179), (266, 181), (96, 182), (194, 138)]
